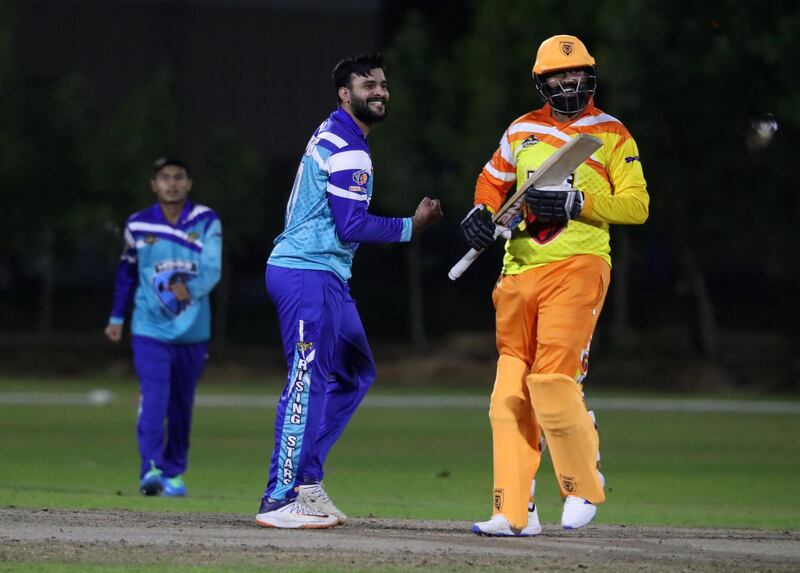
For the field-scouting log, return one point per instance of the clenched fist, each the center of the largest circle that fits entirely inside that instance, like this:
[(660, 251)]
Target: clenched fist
[(428, 212)]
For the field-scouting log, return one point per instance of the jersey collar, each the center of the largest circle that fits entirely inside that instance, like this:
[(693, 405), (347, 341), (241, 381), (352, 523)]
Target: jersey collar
[(547, 115), (158, 214), (341, 116)]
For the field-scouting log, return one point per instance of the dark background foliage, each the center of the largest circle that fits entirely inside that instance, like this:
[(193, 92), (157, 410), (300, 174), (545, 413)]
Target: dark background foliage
[(91, 92)]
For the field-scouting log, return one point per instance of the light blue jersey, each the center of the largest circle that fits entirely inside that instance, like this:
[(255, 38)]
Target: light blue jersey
[(157, 255), (326, 217), (328, 357)]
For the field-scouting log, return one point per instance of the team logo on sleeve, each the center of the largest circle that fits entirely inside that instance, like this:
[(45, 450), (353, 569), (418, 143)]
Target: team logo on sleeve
[(632, 158), (361, 177), (167, 275)]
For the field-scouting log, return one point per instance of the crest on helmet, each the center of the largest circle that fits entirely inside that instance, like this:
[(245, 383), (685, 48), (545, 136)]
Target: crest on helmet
[(567, 48)]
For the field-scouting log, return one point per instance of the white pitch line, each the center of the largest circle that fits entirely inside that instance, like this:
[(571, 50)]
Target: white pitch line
[(691, 405), (101, 397)]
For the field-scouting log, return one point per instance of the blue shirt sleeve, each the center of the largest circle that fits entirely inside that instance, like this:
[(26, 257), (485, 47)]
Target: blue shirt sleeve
[(126, 279), (348, 197), (210, 261)]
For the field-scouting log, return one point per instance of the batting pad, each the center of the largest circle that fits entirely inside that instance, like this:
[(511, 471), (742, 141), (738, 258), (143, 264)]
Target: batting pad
[(515, 441), (571, 436)]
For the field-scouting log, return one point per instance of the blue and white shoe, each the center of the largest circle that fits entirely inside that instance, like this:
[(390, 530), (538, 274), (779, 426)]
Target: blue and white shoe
[(292, 514), (314, 496), (174, 487), (152, 483)]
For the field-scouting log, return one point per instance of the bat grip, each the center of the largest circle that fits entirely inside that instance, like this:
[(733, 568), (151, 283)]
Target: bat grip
[(462, 265)]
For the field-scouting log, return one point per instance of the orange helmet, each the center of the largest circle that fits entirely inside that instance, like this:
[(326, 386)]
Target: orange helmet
[(561, 53), (566, 95)]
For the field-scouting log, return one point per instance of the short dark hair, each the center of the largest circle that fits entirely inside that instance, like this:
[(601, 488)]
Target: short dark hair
[(359, 64), (162, 162)]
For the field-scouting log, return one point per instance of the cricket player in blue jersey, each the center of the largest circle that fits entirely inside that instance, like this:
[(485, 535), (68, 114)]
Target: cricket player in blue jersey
[(329, 360), (171, 260)]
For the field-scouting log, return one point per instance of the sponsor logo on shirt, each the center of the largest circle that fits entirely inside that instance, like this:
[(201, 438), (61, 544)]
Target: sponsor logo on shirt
[(632, 158), (150, 239), (167, 275), (193, 236), (189, 266), (531, 140)]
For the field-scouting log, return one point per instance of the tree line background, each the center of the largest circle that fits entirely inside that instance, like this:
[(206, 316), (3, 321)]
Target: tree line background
[(703, 295)]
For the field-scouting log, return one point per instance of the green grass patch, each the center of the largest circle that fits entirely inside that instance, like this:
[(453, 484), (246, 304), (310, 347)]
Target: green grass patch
[(662, 468)]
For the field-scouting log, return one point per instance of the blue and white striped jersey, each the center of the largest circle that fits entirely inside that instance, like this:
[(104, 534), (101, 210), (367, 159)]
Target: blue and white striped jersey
[(158, 254), (326, 217)]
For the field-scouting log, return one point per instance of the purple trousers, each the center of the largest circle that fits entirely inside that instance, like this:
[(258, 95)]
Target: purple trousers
[(330, 369), (168, 375)]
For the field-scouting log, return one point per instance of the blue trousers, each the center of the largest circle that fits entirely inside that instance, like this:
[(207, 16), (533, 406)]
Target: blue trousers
[(330, 370), (168, 375)]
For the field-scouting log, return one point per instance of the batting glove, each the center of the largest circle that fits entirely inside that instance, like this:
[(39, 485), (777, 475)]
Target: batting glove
[(478, 228), (554, 205)]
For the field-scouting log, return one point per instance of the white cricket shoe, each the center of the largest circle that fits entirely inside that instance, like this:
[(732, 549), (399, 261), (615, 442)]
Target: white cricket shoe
[(577, 513), (315, 497), (498, 526), (296, 515), (533, 527)]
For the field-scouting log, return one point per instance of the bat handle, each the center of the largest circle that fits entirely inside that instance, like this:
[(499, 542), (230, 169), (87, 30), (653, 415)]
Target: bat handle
[(462, 265)]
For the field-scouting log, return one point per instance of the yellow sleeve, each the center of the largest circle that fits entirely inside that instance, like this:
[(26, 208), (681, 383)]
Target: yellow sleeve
[(629, 202)]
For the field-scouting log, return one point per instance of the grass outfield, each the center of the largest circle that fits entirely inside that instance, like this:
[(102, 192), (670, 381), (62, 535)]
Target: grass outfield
[(662, 468)]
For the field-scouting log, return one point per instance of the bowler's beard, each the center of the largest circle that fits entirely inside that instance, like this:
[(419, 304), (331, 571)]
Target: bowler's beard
[(363, 112)]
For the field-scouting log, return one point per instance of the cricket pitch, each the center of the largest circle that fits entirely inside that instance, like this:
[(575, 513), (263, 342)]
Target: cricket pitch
[(120, 537)]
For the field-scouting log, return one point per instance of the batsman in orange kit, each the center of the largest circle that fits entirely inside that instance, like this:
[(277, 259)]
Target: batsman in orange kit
[(556, 273)]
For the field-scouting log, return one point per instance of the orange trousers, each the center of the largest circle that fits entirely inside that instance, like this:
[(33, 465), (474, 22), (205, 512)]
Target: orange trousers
[(545, 318)]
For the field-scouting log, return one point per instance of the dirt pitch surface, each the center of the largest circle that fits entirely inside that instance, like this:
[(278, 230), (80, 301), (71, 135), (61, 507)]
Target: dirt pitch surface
[(141, 539)]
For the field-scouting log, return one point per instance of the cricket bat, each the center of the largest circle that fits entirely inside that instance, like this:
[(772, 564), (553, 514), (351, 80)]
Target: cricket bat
[(554, 171)]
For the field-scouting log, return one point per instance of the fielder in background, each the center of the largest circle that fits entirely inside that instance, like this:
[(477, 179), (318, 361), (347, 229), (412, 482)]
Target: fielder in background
[(549, 296), (329, 360), (171, 259)]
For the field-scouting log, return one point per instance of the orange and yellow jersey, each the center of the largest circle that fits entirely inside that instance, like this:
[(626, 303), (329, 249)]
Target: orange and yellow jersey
[(611, 180)]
